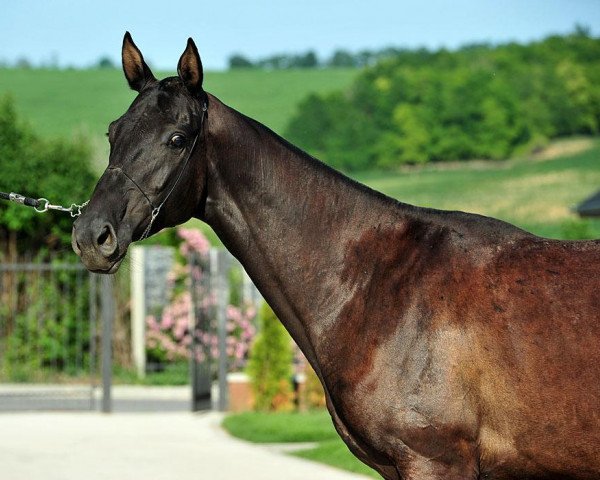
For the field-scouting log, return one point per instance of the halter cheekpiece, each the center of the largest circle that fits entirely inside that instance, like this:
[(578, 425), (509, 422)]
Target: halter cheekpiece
[(156, 210)]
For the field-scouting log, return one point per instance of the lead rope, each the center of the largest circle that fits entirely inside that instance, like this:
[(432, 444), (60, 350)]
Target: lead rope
[(42, 205)]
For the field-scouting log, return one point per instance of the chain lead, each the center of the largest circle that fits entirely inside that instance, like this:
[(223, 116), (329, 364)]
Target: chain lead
[(45, 205)]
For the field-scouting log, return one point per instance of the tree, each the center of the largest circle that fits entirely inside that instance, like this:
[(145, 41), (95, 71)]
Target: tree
[(23, 63), (308, 60), (274, 62), (56, 169), (482, 101), (582, 30), (239, 61), (105, 62), (409, 143), (343, 58)]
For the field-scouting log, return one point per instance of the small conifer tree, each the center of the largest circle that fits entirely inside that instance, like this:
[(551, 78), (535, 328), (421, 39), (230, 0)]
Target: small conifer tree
[(314, 395), (270, 364)]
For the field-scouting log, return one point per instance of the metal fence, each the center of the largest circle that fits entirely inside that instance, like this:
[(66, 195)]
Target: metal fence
[(48, 336), (55, 327)]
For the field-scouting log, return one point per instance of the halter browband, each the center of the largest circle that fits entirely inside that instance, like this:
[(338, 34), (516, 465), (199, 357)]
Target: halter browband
[(156, 210)]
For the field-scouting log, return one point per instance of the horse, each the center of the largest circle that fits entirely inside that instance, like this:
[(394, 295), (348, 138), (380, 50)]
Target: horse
[(449, 345)]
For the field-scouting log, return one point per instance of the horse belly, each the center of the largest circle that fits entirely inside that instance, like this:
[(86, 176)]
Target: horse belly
[(540, 394)]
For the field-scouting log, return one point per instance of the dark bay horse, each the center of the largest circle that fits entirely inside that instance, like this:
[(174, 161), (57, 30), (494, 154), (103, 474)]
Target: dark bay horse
[(450, 345)]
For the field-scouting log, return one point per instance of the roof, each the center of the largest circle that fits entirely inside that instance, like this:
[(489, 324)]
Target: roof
[(590, 207)]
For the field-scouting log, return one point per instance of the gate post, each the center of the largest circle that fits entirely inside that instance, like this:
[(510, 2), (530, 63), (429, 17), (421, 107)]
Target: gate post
[(108, 313), (219, 268), (138, 310), (93, 314), (200, 371)]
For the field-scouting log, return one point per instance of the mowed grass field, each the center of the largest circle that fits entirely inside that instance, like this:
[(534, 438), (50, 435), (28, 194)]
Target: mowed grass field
[(535, 193)]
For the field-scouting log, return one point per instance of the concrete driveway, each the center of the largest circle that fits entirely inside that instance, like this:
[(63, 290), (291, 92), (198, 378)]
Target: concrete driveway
[(149, 446)]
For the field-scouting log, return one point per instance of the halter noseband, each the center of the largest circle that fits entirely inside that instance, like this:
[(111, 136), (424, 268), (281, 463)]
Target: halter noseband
[(156, 210)]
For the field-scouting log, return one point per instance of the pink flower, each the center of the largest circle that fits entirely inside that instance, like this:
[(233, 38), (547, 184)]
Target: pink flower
[(152, 324), (194, 241), (167, 320)]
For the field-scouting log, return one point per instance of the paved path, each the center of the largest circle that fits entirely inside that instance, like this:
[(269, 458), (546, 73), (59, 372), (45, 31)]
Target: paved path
[(132, 446), (126, 398)]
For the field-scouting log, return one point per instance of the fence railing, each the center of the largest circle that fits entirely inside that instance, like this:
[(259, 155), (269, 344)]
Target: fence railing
[(55, 326), (48, 335)]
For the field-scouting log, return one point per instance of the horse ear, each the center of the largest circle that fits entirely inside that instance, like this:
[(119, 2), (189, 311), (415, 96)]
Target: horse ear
[(137, 73), (189, 68)]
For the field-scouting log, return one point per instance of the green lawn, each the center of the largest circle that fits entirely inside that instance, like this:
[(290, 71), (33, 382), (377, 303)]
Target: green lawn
[(173, 374), (335, 453), (314, 426)]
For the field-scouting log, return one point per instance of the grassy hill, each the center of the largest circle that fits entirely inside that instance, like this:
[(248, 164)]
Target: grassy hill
[(535, 193), (63, 103)]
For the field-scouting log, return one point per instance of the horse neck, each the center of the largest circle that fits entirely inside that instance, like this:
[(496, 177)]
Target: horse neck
[(288, 218)]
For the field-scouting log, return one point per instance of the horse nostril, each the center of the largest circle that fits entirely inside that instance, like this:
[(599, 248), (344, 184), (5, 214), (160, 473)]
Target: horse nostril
[(107, 240), (104, 235)]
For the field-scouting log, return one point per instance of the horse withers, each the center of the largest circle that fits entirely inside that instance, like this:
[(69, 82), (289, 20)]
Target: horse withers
[(449, 345)]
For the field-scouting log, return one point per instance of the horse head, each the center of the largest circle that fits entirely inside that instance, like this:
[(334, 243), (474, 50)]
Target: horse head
[(156, 173)]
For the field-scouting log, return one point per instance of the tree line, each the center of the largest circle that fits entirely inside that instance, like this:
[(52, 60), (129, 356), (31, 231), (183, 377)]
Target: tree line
[(340, 58), (481, 101)]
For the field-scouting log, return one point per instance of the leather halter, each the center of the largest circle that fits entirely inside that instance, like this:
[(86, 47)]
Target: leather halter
[(156, 210)]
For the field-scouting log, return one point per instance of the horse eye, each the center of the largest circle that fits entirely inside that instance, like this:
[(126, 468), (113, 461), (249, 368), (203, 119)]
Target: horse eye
[(177, 141)]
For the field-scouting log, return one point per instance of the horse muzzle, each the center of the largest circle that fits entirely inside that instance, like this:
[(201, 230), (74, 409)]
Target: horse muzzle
[(96, 243)]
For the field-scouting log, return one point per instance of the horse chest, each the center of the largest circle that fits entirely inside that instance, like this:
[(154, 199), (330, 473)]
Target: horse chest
[(394, 435), (407, 401)]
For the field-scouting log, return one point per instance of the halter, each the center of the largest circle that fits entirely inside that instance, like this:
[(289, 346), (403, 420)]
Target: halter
[(156, 210)]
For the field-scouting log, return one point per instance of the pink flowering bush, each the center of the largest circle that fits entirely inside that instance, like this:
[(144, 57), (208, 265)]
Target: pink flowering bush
[(240, 332), (169, 338), (193, 241)]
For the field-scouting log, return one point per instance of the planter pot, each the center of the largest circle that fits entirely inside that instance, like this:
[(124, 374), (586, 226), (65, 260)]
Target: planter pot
[(241, 398)]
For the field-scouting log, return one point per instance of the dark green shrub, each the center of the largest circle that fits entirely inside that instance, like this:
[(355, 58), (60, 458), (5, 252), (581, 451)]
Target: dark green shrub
[(43, 322), (47, 329), (55, 169)]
